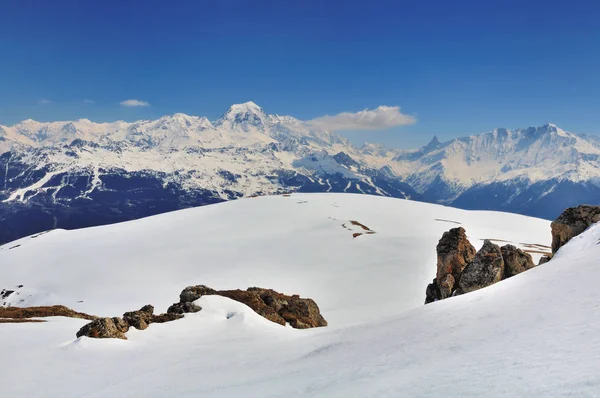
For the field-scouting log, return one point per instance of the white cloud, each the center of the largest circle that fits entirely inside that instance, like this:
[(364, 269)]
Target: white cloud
[(379, 118), (44, 101), (89, 101), (133, 102)]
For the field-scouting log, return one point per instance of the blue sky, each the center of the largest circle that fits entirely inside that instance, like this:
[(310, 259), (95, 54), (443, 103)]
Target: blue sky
[(457, 67)]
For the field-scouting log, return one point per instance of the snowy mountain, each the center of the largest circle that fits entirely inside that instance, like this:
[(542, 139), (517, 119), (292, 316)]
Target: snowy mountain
[(538, 329), (80, 173)]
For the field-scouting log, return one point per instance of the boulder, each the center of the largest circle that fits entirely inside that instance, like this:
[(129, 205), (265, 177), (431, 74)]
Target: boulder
[(104, 328), (545, 259), (571, 223), (486, 268), (140, 319), (454, 253), (515, 260)]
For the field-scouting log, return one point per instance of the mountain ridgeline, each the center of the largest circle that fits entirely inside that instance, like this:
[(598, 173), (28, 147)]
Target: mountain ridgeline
[(79, 173)]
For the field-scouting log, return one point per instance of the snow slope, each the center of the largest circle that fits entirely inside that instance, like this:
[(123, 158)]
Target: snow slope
[(294, 244), (535, 334)]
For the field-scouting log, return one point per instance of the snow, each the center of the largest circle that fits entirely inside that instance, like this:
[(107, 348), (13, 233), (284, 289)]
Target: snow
[(535, 334), (191, 149)]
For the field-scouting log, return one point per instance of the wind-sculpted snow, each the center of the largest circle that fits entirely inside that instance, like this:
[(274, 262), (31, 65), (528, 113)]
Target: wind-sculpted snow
[(538, 330)]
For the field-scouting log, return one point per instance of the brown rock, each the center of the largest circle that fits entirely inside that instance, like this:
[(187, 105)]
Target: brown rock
[(299, 312), (571, 223), (103, 328), (486, 269), (515, 260), (446, 286), (193, 293), (182, 308), (545, 259), (454, 253), (42, 312), (140, 319)]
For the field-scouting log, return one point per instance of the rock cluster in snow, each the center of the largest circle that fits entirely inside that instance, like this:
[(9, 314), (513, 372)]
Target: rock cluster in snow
[(117, 327), (461, 269), (300, 313)]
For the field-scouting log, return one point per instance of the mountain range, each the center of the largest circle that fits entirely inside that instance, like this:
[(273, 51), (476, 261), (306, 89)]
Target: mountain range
[(80, 173)]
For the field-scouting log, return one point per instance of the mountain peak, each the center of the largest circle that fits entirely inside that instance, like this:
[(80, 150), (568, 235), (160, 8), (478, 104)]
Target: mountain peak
[(244, 114), (246, 107), (433, 144)]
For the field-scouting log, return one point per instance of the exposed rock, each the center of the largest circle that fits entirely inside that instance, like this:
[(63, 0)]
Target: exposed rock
[(454, 253), (300, 313), (432, 293), (571, 223), (42, 312), (193, 293), (545, 259), (515, 260), (182, 308), (486, 268), (140, 319), (104, 328), (446, 286)]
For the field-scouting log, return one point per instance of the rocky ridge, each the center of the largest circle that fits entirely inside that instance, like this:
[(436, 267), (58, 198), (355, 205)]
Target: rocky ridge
[(300, 313), (460, 270)]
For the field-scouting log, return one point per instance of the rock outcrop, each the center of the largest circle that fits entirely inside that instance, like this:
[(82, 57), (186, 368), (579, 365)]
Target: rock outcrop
[(545, 259), (117, 327), (300, 313), (571, 223), (42, 312), (486, 268), (105, 328), (515, 260), (454, 253), (140, 319)]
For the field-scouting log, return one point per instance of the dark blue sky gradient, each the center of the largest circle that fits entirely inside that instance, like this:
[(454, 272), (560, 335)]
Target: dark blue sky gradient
[(460, 67)]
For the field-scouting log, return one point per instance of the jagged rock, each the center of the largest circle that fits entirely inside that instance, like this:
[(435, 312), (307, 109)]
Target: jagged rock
[(140, 319), (182, 308), (571, 223), (432, 293), (300, 313), (486, 268), (545, 259), (515, 260), (454, 253), (104, 328)]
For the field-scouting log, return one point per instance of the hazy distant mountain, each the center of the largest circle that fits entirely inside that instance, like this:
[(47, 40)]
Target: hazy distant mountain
[(80, 173)]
